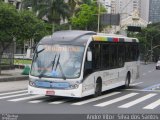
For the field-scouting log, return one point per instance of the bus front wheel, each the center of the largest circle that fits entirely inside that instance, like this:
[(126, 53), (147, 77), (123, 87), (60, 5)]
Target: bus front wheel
[(98, 88)]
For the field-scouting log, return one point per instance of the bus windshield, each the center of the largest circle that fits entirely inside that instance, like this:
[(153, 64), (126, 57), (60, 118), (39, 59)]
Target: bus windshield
[(57, 61)]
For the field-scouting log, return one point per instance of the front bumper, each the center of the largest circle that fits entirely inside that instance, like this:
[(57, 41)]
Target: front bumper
[(57, 92)]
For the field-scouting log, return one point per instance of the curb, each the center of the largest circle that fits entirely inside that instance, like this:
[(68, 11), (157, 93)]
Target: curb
[(14, 78)]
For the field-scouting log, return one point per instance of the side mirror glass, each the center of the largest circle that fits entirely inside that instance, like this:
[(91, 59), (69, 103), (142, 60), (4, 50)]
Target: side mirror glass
[(89, 56)]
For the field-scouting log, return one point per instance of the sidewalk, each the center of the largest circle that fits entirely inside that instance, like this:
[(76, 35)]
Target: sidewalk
[(12, 75)]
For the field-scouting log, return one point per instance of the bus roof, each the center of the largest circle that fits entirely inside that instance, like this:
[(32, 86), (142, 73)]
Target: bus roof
[(110, 38), (67, 36), (72, 37)]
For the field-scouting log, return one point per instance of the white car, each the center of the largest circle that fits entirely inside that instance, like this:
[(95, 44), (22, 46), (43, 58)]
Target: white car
[(158, 65)]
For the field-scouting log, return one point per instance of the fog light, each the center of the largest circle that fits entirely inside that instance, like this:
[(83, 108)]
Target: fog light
[(31, 83)]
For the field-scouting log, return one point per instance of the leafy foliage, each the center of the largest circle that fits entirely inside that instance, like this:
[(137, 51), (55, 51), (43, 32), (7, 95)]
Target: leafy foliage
[(30, 27), (53, 10), (86, 18), (20, 26), (148, 36), (8, 21), (82, 14)]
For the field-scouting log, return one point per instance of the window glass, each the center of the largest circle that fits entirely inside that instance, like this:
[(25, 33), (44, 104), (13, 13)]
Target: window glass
[(113, 55), (105, 56), (121, 55), (96, 56)]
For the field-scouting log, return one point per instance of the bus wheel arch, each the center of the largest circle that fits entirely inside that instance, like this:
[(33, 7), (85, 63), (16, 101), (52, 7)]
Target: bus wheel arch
[(128, 79), (98, 87)]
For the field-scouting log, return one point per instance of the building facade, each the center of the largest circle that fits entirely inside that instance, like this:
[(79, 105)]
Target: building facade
[(154, 11), (106, 4), (144, 11), (126, 7), (17, 3), (150, 10)]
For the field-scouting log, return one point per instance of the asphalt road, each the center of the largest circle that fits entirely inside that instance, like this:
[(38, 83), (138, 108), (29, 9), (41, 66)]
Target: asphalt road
[(142, 97)]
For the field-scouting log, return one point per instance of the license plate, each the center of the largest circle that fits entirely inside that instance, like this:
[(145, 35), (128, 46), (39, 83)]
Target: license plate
[(50, 92)]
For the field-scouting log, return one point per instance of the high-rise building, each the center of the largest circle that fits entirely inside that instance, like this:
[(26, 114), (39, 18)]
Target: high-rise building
[(126, 7), (150, 10), (154, 11), (106, 4), (144, 11)]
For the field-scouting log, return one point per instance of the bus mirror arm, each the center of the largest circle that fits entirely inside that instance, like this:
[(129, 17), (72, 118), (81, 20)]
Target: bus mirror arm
[(34, 46), (89, 56)]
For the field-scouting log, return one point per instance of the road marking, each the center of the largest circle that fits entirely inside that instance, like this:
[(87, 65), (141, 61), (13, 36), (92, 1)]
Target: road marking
[(95, 99), (143, 90), (116, 100), (127, 105), (7, 93), (26, 98), (35, 101), (150, 71), (153, 105), (136, 83), (144, 74), (61, 101), (153, 87), (4, 97)]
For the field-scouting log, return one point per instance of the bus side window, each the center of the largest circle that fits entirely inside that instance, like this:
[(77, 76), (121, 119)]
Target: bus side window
[(96, 56), (121, 55), (105, 56), (113, 56), (128, 53)]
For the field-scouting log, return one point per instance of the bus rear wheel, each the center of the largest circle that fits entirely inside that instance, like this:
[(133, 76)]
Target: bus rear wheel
[(98, 89)]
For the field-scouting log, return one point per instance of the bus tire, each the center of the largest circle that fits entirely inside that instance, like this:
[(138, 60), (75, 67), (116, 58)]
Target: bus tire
[(98, 89), (127, 82)]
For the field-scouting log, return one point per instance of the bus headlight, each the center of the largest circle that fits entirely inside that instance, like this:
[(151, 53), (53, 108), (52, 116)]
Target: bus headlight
[(74, 86)]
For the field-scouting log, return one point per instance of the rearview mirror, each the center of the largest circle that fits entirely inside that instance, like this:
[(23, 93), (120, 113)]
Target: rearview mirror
[(89, 56)]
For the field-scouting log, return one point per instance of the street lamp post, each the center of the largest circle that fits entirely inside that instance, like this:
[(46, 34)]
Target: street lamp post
[(98, 15), (151, 49), (151, 57)]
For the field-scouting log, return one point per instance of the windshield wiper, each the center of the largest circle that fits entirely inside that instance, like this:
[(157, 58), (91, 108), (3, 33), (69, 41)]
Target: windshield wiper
[(40, 51), (53, 62), (60, 67), (37, 52)]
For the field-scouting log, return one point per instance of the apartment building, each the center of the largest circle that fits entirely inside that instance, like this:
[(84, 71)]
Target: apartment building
[(150, 10)]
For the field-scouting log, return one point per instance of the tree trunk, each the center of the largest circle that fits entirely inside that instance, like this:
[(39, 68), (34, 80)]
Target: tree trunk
[(3, 47), (53, 27)]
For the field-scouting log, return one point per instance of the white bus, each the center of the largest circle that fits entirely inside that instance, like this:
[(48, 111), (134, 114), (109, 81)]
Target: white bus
[(81, 63)]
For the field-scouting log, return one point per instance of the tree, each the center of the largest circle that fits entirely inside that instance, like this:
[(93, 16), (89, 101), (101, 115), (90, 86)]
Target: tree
[(149, 37), (30, 27), (20, 26), (86, 18), (54, 10), (72, 5), (31, 3), (9, 27)]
